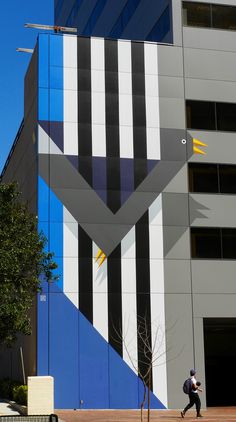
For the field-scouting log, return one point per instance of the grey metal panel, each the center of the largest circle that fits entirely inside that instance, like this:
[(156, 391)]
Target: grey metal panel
[(210, 39), (221, 147), (170, 60), (214, 305), (172, 113), (82, 201), (212, 210), (171, 87), (177, 21), (213, 276), (175, 209), (179, 183), (172, 147), (177, 276), (200, 89), (179, 339), (210, 64), (176, 242)]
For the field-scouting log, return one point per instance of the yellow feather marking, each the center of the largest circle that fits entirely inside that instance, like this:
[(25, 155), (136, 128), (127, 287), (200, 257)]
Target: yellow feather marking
[(98, 255), (102, 260), (198, 151), (197, 142), (101, 257)]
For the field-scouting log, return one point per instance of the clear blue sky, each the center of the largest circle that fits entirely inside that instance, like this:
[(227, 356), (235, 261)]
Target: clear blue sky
[(13, 65)]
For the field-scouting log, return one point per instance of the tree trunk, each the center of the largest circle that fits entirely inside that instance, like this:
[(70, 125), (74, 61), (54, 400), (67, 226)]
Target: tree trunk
[(144, 400), (149, 391)]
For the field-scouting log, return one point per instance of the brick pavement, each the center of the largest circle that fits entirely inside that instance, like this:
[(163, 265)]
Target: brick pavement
[(227, 414)]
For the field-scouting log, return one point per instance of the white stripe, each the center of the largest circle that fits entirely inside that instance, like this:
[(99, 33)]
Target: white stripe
[(70, 257), (69, 51), (157, 300), (70, 101), (71, 138), (98, 97), (125, 99), (129, 307), (152, 101), (100, 303)]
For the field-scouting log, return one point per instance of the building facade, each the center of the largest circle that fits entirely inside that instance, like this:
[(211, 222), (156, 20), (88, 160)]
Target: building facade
[(133, 178)]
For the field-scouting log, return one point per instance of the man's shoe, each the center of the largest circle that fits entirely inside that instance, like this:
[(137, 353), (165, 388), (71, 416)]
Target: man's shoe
[(199, 416), (182, 414)]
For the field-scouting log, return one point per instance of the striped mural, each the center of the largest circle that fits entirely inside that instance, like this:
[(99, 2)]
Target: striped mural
[(100, 183)]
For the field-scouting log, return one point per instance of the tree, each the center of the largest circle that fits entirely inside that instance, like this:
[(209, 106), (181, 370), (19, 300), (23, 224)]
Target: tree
[(22, 260), (151, 352)]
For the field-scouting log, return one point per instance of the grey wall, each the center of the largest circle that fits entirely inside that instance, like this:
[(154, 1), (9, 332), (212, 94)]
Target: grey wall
[(22, 168), (204, 69)]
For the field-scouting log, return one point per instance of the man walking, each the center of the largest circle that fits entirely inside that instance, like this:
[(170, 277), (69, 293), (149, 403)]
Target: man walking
[(193, 396)]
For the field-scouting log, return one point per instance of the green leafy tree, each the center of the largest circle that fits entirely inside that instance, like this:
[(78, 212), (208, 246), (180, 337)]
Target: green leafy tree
[(22, 261)]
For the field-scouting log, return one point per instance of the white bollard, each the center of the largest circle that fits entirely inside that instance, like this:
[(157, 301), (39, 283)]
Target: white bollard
[(40, 395)]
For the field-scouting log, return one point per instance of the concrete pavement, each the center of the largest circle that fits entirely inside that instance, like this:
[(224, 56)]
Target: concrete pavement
[(226, 414)]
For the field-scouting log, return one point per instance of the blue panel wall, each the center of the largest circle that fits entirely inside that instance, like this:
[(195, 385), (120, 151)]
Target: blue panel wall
[(93, 367), (42, 300), (63, 350)]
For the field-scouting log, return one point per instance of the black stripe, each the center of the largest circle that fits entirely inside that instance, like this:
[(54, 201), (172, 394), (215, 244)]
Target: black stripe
[(85, 275), (114, 300), (143, 294), (85, 168), (139, 112), (84, 109), (112, 125)]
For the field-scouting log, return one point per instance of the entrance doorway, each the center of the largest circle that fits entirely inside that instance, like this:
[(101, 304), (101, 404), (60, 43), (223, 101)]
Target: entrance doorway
[(220, 361)]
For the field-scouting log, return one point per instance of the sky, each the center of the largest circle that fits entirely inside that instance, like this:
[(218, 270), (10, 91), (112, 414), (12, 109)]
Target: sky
[(14, 14)]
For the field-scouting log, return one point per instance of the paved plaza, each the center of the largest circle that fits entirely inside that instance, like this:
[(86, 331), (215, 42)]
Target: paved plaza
[(212, 414)]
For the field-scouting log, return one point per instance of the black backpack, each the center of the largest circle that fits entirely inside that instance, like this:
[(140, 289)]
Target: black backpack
[(188, 386)]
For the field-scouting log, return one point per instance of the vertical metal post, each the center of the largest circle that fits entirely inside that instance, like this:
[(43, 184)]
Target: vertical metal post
[(22, 364)]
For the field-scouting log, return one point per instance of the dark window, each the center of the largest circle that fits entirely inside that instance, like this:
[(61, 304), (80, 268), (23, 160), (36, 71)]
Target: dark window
[(229, 243), (207, 15), (205, 243), (196, 14), (226, 116), (201, 115), (224, 17), (227, 174), (203, 178)]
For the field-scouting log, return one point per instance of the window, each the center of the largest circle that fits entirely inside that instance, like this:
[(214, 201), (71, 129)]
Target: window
[(224, 17), (213, 243), (209, 115), (205, 243), (206, 15), (196, 14), (201, 115), (226, 116), (227, 176), (212, 178), (229, 243), (203, 178)]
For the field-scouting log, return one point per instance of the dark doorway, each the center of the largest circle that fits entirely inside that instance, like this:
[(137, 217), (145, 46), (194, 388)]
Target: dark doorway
[(220, 361)]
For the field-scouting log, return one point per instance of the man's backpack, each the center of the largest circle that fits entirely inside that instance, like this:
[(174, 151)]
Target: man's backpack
[(188, 386)]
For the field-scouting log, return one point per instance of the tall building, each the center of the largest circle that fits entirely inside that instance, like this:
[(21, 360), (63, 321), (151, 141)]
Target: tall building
[(132, 173), (127, 19)]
